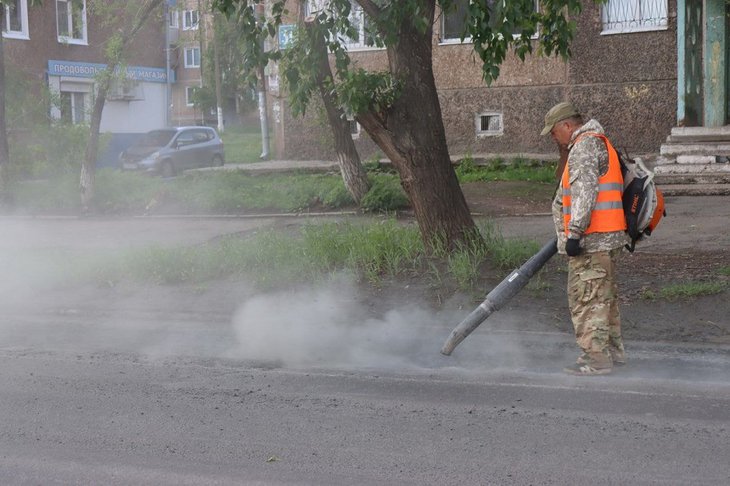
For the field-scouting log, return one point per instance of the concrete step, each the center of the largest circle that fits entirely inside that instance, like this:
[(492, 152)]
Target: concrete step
[(691, 178), (704, 148), (721, 170), (695, 189), (700, 134)]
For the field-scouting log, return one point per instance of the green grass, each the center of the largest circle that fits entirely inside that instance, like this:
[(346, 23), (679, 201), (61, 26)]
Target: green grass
[(271, 258), (227, 192), (518, 169), (691, 289), (243, 143), (686, 290)]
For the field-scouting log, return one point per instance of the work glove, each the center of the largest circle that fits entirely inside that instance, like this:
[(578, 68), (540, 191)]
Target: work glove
[(572, 247)]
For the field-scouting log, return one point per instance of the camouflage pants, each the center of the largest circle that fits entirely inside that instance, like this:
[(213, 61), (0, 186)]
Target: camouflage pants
[(593, 302)]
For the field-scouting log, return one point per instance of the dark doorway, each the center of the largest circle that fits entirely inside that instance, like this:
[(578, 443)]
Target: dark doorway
[(693, 42)]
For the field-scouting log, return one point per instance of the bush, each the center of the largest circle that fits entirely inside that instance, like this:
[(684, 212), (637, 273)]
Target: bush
[(386, 194), (49, 151)]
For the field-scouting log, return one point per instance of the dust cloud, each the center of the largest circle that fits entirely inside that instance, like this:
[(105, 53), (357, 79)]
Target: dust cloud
[(329, 326)]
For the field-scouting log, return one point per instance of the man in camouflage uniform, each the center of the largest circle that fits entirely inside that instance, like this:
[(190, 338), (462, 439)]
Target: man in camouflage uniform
[(592, 286)]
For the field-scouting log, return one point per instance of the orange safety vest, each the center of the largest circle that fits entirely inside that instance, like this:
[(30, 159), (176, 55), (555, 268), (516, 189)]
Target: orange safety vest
[(608, 212)]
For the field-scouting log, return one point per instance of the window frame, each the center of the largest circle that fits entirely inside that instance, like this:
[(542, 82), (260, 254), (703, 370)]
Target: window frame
[(23, 33), (312, 7), (622, 29), (355, 128), (488, 133), (68, 38), (185, 57), (189, 90), (193, 23), (76, 117), (444, 41), (173, 19)]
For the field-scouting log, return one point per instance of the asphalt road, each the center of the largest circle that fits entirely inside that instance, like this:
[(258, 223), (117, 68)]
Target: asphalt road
[(152, 398), (149, 395)]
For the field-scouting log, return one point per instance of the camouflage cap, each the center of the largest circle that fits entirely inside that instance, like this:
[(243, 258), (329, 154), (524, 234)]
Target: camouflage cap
[(557, 113)]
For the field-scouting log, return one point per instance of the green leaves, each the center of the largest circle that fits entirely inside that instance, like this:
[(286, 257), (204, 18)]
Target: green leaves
[(253, 28), (361, 91), (497, 26)]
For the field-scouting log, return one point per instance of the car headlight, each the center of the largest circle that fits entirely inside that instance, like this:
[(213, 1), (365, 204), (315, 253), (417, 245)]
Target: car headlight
[(150, 159)]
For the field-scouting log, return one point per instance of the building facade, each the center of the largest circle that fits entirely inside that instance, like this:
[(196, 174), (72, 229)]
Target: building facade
[(655, 73), (188, 30), (622, 71), (60, 45)]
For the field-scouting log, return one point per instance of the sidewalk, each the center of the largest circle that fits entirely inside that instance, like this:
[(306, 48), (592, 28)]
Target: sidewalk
[(273, 166)]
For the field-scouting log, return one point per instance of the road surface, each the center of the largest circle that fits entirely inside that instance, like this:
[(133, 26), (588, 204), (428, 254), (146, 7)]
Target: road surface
[(147, 398), (297, 389)]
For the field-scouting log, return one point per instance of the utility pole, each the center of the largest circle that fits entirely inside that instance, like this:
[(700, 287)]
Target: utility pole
[(168, 82)]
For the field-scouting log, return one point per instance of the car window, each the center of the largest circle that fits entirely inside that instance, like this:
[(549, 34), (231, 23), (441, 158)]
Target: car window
[(186, 138), (200, 136), (156, 138)]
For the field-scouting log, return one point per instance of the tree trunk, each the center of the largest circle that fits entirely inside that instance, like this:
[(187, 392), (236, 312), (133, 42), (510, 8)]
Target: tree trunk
[(411, 133), (217, 74), (88, 166), (87, 181), (353, 173), (4, 152)]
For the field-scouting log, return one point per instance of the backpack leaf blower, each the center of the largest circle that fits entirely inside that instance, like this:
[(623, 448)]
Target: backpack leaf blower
[(500, 295)]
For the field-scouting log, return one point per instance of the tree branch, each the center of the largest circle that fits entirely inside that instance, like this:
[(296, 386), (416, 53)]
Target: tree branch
[(140, 20)]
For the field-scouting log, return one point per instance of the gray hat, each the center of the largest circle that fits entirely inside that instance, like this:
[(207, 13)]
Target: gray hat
[(557, 113)]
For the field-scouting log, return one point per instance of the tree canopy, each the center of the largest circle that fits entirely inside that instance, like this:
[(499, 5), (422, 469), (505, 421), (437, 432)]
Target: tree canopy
[(398, 106)]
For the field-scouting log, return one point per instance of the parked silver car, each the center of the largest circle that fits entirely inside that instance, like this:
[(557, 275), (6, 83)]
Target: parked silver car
[(168, 151)]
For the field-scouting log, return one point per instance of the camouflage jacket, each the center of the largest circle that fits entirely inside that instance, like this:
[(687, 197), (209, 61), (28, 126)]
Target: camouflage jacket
[(587, 161)]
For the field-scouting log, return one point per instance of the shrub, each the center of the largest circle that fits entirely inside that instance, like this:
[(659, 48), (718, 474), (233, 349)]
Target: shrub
[(386, 194)]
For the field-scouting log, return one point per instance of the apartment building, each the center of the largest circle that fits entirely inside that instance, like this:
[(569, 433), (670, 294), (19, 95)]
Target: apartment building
[(654, 72), (189, 25), (59, 45), (623, 62)]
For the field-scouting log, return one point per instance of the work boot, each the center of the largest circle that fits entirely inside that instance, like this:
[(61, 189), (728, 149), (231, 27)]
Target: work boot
[(586, 370), (618, 357)]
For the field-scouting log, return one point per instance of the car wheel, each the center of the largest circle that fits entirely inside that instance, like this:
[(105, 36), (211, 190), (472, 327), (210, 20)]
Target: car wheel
[(167, 169), (217, 161)]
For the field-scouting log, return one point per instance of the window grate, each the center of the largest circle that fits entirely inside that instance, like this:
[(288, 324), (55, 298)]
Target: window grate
[(489, 124), (634, 15)]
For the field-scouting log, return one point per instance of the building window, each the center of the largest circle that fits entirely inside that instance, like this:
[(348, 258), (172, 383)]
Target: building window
[(71, 21), (453, 21), (190, 20), (172, 21), (354, 127), (364, 35), (192, 57), (620, 16), (190, 95), (73, 107), (15, 23), (489, 124), (313, 7)]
